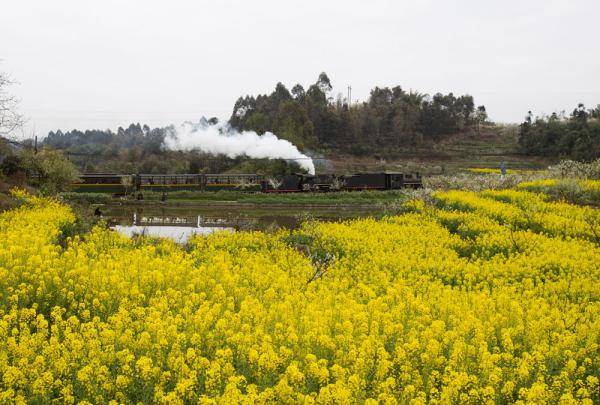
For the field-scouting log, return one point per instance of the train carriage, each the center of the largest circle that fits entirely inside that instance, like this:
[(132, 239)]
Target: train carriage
[(101, 183), (239, 182), (125, 183), (168, 182), (198, 182), (364, 181)]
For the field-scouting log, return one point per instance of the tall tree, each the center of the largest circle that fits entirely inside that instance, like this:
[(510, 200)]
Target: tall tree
[(324, 83), (292, 123), (298, 93), (258, 122), (480, 117)]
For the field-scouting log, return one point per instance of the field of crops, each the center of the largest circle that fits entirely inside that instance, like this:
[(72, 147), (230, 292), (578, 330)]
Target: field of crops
[(577, 190), (468, 298)]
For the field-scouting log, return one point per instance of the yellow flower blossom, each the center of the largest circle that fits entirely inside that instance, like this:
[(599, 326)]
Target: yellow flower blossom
[(487, 297)]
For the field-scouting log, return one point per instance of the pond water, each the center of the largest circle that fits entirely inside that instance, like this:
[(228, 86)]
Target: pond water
[(179, 234), (180, 223)]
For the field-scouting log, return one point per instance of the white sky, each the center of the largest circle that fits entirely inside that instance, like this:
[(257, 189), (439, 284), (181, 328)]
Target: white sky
[(100, 64)]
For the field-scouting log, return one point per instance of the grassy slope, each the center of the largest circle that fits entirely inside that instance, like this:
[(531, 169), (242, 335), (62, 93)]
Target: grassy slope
[(455, 152)]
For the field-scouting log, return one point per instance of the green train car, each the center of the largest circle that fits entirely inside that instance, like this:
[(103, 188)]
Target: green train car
[(125, 183), (197, 182), (102, 183)]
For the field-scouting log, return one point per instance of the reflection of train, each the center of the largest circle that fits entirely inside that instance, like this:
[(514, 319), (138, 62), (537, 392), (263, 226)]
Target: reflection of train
[(126, 183)]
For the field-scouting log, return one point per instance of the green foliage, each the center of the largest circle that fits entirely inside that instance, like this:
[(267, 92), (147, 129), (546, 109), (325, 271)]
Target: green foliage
[(292, 123), (576, 137), (569, 189), (390, 118), (139, 149), (49, 170), (82, 225), (258, 122), (10, 165), (366, 198)]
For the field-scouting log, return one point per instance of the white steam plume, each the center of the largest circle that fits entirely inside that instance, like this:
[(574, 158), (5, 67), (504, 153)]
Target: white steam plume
[(222, 139)]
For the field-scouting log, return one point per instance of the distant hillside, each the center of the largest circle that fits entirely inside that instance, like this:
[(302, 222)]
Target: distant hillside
[(492, 145)]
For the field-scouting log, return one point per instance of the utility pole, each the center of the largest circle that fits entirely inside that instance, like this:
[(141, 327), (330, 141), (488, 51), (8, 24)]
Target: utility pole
[(349, 96)]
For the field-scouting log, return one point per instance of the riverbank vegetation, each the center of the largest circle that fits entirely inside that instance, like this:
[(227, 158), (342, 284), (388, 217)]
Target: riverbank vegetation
[(242, 197)]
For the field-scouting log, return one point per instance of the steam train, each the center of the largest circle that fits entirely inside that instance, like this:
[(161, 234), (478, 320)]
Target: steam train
[(127, 183)]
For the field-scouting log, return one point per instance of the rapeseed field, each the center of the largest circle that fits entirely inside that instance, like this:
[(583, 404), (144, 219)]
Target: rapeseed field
[(489, 297)]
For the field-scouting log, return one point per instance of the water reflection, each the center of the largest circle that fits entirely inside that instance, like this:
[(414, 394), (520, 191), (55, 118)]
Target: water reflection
[(179, 223), (178, 228), (180, 234)]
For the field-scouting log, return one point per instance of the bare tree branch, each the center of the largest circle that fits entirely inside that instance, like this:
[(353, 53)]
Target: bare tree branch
[(10, 119)]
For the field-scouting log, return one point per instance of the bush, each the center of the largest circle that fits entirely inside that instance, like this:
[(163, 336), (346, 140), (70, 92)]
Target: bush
[(572, 168), (86, 198), (472, 182), (51, 171)]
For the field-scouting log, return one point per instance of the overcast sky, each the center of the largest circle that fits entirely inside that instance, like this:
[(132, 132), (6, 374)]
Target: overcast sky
[(101, 64)]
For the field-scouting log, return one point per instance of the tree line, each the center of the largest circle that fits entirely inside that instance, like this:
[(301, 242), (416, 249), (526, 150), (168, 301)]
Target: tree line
[(391, 117), (576, 136), (141, 149)]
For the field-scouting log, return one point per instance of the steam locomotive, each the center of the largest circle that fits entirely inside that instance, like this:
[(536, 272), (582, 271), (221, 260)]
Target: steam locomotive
[(332, 182), (127, 183)]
